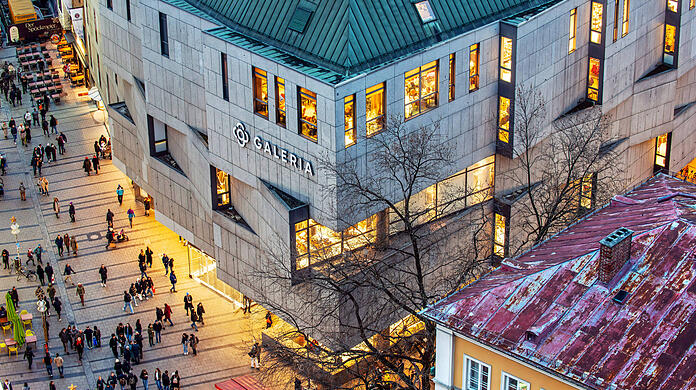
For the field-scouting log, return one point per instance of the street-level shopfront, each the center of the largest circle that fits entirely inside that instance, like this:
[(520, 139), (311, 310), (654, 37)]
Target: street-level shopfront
[(202, 268)]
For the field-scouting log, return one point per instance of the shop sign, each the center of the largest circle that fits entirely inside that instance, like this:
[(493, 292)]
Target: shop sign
[(77, 22), (36, 30), (273, 150)]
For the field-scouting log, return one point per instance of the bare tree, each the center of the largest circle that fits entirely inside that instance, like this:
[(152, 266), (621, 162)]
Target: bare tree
[(350, 302), (563, 171)]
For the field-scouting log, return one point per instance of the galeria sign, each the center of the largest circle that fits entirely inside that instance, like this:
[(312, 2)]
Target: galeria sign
[(273, 150)]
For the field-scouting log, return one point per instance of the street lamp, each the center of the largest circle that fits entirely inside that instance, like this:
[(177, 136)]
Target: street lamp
[(14, 229), (41, 307)]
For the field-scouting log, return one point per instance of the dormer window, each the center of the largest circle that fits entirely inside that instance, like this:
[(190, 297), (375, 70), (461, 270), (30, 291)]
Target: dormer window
[(300, 18), (425, 11)]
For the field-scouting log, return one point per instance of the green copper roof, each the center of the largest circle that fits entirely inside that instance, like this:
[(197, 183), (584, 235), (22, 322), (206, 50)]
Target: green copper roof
[(351, 36)]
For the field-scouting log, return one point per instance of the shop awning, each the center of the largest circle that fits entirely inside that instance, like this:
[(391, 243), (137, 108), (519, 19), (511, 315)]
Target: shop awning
[(244, 382)]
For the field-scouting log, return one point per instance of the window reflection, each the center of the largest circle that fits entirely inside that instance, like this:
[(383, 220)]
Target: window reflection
[(260, 92), (593, 79), (349, 120), (473, 67), (280, 101), (504, 119), (315, 243), (420, 89), (375, 102), (308, 114), (506, 59)]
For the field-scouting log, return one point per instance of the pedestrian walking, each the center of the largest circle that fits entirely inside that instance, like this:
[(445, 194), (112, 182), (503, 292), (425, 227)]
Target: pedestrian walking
[(172, 280), (56, 207), (71, 211), (6, 259), (95, 164), (22, 191), (254, 355), (51, 386), (113, 344), (59, 364), (127, 301), (80, 347), (151, 335), (89, 337), (194, 318), (40, 273), (48, 362), (29, 355), (119, 194), (101, 383), (146, 204), (38, 251), (188, 302), (80, 291), (199, 311), (165, 380), (66, 242), (67, 273), (6, 385), (168, 314), (73, 245), (59, 244), (61, 143), (49, 277), (144, 378), (184, 342), (110, 218), (131, 214), (96, 148), (102, 274), (87, 166), (157, 329), (158, 378), (193, 343), (148, 256), (44, 127), (54, 124), (35, 117), (43, 185), (97, 336), (175, 381)]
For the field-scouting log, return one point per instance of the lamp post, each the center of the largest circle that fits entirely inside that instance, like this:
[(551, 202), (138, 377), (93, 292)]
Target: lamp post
[(41, 307), (14, 229)]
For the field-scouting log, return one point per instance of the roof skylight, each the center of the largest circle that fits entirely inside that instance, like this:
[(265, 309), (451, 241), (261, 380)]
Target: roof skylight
[(425, 11), (299, 19)]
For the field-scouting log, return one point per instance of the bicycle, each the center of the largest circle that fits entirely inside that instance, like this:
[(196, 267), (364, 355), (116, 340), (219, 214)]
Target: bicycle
[(27, 273)]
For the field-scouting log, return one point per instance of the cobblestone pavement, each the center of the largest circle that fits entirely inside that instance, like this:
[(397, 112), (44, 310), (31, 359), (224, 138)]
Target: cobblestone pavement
[(227, 333)]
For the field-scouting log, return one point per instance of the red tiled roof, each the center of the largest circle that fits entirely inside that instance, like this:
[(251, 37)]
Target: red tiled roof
[(646, 343)]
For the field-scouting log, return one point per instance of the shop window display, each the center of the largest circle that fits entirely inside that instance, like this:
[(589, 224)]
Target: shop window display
[(504, 119), (670, 39), (315, 243), (421, 89), (596, 23), (222, 188), (375, 108), (593, 79), (473, 67), (506, 59), (661, 151), (280, 101), (308, 114), (260, 92), (349, 120)]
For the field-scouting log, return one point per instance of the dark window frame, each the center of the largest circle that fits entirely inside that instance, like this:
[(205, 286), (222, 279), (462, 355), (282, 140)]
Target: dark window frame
[(164, 35), (227, 209), (452, 75), (281, 114), (301, 121), (128, 10), (350, 100), (474, 78), (110, 4), (656, 167), (260, 74), (224, 76), (153, 141)]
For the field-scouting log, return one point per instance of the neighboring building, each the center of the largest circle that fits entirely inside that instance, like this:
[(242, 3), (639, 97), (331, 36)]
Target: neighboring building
[(221, 110), (609, 303)]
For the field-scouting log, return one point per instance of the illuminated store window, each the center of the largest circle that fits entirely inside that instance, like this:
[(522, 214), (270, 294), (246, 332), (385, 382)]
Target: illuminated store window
[(260, 92), (452, 75), (673, 5), (573, 28), (349, 120), (626, 12), (662, 149), (506, 59), (375, 108), (222, 199), (315, 243), (499, 235), (504, 119), (617, 8), (512, 383), (586, 192), (307, 113), (593, 80), (476, 374), (670, 43), (466, 188), (473, 67), (596, 23), (420, 89), (280, 101)]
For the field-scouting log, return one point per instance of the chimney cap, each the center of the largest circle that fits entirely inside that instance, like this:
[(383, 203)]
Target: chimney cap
[(616, 237)]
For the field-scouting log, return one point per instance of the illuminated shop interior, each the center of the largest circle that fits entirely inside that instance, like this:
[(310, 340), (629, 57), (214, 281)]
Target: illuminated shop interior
[(308, 114), (375, 107), (420, 89)]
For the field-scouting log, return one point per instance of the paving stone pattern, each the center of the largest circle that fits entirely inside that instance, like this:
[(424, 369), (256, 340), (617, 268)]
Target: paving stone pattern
[(227, 333)]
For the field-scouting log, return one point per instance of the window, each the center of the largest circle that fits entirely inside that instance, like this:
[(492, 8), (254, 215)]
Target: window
[(128, 12), (223, 75), (692, 4), (349, 120), (512, 383), (425, 11), (596, 23), (164, 35), (308, 114), (280, 101), (476, 374), (315, 243), (499, 236), (662, 148), (504, 119), (617, 4), (673, 5), (158, 136), (110, 4), (573, 28), (585, 193), (260, 92), (626, 12), (473, 67), (299, 19), (222, 190), (670, 43), (420, 86), (452, 75), (375, 107), (506, 59), (593, 80)]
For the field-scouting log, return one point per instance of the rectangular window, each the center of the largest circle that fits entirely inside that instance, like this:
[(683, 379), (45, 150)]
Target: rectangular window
[(596, 23), (673, 5), (223, 75), (586, 194), (375, 107), (164, 35), (452, 75), (662, 152), (504, 119), (626, 13), (128, 12), (473, 67), (307, 114), (349, 120), (593, 80), (158, 136), (260, 92), (670, 43), (476, 374), (110, 4), (617, 4), (573, 28), (692, 4), (280, 101), (420, 90), (506, 59), (499, 237), (222, 189), (315, 243), (512, 383)]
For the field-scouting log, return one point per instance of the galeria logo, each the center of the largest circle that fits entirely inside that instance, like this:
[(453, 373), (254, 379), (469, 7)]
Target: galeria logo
[(241, 134)]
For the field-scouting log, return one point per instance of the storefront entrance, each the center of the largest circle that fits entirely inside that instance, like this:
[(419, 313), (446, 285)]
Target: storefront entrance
[(202, 268)]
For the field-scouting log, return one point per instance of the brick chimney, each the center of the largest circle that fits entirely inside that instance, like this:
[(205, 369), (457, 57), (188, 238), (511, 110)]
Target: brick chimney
[(614, 251)]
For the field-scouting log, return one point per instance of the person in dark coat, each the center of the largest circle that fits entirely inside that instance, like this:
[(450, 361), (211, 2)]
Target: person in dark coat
[(40, 273), (71, 211), (57, 306), (87, 166), (95, 164), (97, 149)]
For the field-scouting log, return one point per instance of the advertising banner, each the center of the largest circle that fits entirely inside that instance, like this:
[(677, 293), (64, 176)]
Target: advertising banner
[(35, 31), (77, 22)]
